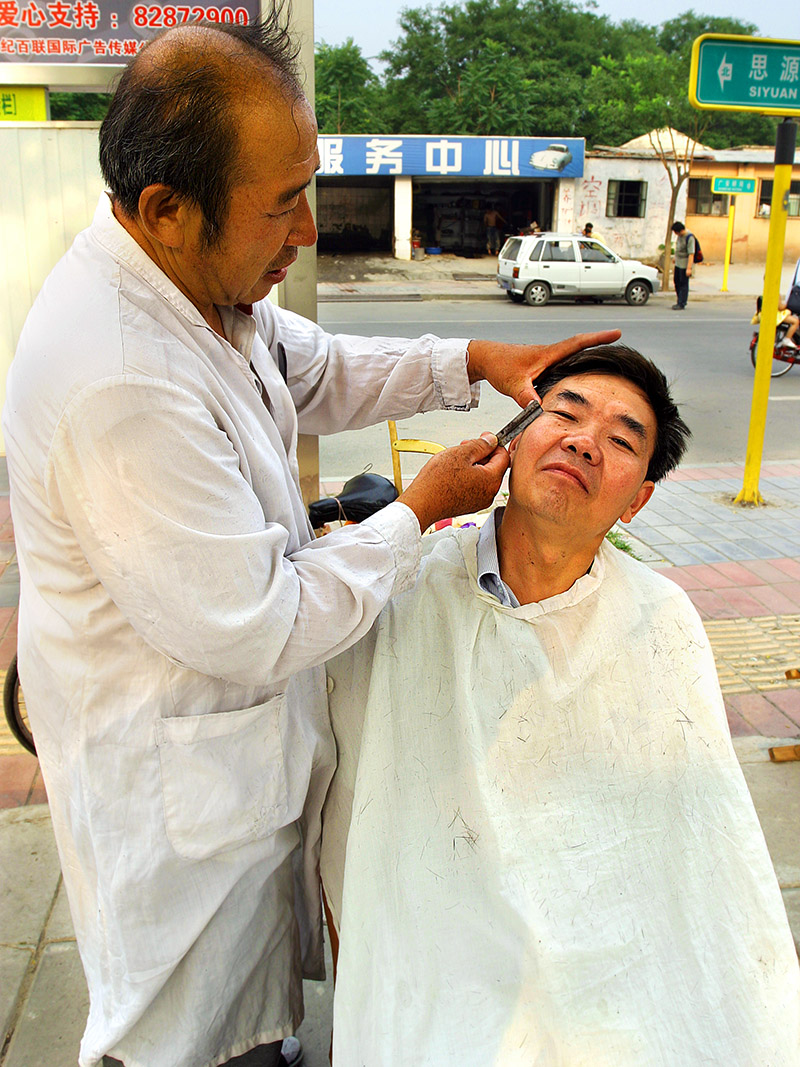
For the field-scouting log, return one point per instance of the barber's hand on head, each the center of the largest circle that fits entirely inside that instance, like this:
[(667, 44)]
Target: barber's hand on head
[(457, 481), (512, 368)]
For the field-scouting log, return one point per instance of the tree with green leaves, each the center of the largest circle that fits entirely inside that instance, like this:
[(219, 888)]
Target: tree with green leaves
[(346, 89)]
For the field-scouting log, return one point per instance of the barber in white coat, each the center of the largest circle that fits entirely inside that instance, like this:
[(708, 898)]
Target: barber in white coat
[(175, 610)]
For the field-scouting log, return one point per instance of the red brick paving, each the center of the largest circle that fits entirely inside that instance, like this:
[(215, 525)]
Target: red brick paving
[(761, 713), (20, 781)]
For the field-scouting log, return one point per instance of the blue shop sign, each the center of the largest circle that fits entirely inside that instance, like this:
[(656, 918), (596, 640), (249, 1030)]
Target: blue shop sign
[(456, 157)]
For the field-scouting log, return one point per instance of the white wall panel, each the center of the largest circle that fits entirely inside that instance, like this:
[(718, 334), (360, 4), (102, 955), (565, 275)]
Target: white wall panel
[(49, 186)]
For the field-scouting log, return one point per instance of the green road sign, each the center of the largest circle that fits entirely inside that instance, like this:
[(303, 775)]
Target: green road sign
[(732, 186), (736, 73)]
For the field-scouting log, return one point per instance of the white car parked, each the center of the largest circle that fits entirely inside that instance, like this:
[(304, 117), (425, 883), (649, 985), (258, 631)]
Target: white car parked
[(539, 266)]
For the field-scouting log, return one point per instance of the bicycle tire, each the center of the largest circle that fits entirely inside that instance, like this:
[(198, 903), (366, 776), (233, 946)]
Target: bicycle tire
[(14, 708), (779, 366)]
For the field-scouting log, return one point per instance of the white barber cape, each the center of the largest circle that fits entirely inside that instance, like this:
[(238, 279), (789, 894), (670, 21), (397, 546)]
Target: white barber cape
[(553, 858), (175, 613)]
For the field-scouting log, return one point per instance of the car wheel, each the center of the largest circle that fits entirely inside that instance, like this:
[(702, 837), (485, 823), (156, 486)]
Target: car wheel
[(537, 294), (637, 293), (515, 298)]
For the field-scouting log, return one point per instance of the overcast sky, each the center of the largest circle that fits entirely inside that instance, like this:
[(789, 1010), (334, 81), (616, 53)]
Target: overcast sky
[(373, 25)]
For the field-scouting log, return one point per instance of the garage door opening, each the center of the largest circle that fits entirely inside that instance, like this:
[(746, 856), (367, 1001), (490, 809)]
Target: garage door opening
[(449, 215)]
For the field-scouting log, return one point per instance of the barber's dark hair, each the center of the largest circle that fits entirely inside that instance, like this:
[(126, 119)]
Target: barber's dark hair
[(172, 117), (672, 433)]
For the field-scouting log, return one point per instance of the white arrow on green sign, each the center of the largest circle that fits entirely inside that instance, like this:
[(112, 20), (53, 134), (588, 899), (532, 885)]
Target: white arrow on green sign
[(745, 74), (733, 186)]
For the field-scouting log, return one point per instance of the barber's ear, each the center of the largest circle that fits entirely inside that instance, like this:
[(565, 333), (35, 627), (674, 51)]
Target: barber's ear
[(163, 216), (638, 502)]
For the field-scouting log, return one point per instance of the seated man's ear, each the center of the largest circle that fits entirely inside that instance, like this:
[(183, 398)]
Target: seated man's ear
[(512, 448), (638, 502)]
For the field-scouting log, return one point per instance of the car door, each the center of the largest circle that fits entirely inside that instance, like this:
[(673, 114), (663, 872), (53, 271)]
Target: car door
[(601, 272), (559, 266)]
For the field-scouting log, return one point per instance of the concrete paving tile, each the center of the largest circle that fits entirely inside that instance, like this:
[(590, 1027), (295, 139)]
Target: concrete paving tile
[(788, 566), (759, 712), (767, 571), (791, 589), (53, 1018), (773, 599), (677, 534), (710, 604), (791, 901), (29, 873), (788, 700), (14, 963), (757, 549), (775, 789), (743, 602), (707, 553), (738, 726), (732, 550), (59, 925), (737, 573), (678, 555), (734, 531), (711, 576), (685, 577), (17, 776)]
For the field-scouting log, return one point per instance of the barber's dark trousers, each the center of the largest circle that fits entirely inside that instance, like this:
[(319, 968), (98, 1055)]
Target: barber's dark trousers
[(681, 286), (263, 1056)]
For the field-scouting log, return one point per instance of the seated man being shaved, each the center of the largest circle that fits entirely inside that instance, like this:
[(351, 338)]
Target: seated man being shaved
[(539, 848)]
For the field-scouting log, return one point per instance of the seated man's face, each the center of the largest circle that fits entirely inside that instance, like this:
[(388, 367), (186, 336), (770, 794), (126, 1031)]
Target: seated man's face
[(583, 463)]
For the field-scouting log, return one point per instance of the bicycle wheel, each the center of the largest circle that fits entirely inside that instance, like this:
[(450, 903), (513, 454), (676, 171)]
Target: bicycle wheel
[(14, 707), (779, 366)]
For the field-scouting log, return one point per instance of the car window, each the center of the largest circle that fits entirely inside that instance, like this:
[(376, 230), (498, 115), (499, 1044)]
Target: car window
[(592, 252), (559, 251), (536, 252), (511, 248)]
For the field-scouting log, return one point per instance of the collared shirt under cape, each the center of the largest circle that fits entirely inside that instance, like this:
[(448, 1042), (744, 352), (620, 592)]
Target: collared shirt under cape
[(553, 858), (175, 613)]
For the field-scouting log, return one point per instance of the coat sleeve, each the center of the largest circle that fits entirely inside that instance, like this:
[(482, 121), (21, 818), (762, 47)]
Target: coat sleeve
[(342, 382)]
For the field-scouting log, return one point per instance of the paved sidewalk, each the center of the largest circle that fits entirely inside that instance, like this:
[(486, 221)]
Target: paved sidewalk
[(741, 567)]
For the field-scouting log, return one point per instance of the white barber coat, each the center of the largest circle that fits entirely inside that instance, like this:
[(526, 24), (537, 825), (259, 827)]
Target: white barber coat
[(175, 612), (553, 858)]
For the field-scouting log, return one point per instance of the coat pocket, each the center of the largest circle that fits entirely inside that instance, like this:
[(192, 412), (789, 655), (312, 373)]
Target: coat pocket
[(223, 779)]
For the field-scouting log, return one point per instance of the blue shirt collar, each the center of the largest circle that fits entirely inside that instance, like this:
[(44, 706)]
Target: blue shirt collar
[(489, 562)]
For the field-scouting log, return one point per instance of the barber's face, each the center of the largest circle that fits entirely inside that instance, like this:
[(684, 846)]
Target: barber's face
[(269, 214), (583, 463)]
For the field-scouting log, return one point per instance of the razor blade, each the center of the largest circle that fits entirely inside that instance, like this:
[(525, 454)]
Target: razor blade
[(519, 423)]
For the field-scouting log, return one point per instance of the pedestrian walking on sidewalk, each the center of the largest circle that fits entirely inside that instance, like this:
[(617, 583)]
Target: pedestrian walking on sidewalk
[(685, 246)]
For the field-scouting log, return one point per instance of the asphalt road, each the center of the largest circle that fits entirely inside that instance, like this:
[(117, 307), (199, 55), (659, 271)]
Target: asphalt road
[(703, 351)]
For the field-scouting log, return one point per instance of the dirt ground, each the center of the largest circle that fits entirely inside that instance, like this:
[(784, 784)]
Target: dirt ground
[(374, 268)]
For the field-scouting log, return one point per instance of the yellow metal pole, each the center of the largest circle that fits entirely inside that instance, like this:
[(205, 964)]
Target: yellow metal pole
[(728, 245), (784, 158)]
